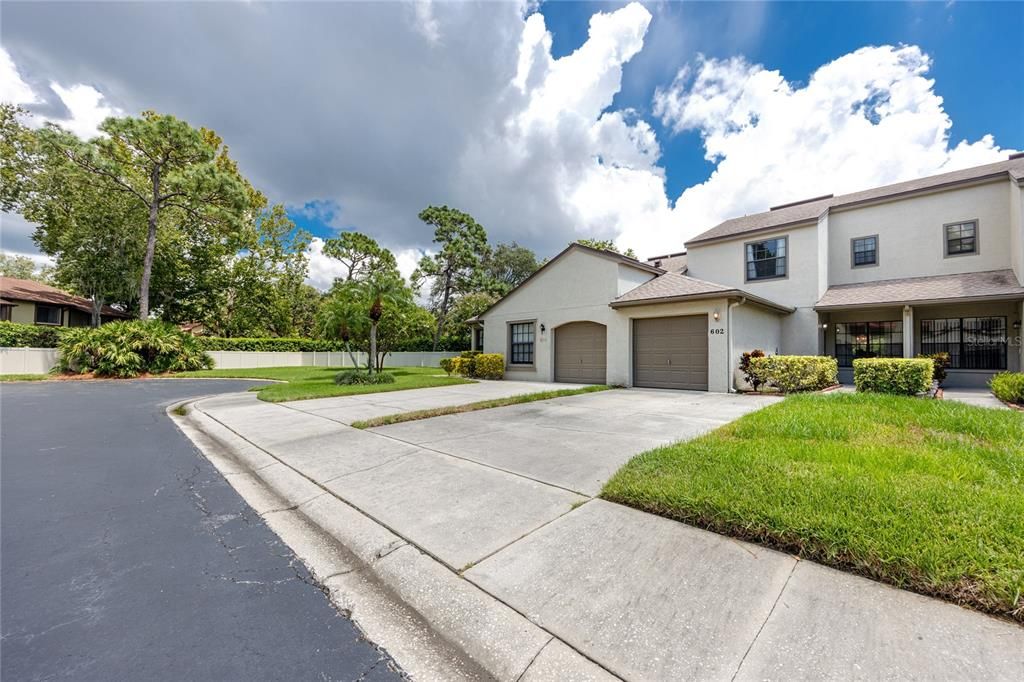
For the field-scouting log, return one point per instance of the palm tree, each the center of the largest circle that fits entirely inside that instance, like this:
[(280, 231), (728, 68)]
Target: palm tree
[(340, 317), (367, 299)]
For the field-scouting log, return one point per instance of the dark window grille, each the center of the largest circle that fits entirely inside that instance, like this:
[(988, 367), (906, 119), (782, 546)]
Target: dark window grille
[(868, 340), (865, 251), (961, 238), (972, 342), (5, 313), (767, 259), (48, 314), (522, 343)]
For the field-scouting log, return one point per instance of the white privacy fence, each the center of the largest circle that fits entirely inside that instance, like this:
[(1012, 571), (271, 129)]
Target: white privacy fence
[(42, 360)]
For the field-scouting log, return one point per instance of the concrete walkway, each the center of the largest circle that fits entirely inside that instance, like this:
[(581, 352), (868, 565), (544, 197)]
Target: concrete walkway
[(981, 397), (504, 549)]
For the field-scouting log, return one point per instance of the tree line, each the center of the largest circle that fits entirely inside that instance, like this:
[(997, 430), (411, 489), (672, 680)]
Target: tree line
[(154, 217)]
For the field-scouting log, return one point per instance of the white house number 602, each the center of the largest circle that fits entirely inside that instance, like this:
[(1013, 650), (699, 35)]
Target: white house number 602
[(717, 330)]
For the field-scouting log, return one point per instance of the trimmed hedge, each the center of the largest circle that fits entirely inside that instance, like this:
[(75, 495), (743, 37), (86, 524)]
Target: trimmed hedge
[(1008, 387), (795, 373), (900, 376), (490, 366), (270, 345), (128, 349), (16, 335), (353, 377)]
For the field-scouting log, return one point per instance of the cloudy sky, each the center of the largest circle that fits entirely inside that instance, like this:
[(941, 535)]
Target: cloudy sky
[(643, 123)]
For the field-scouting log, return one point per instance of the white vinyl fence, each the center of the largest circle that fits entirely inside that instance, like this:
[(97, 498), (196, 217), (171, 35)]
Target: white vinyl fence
[(42, 360)]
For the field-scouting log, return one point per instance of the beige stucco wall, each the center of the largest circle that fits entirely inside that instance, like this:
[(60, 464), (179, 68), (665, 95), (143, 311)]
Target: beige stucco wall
[(911, 236), (1017, 229), (24, 312)]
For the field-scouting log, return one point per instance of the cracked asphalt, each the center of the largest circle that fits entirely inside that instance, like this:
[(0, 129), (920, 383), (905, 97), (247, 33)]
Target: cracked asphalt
[(125, 555)]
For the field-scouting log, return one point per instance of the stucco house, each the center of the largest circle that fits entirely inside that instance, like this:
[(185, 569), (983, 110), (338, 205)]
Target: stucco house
[(29, 302), (933, 264)]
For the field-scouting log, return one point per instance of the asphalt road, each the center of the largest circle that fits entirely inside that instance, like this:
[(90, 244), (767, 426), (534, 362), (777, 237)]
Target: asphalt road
[(125, 555)]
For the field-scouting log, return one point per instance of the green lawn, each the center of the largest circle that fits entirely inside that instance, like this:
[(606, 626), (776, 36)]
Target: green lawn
[(473, 407), (924, 494), (25, 377), (318, 382)]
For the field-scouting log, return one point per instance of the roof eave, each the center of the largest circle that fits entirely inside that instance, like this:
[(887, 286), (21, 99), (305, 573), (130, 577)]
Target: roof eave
[(727, 293), (793, 224), (923, 301)]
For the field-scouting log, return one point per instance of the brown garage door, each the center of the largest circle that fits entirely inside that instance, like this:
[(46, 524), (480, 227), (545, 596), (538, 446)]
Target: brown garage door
[(671, 352), (581, 353)]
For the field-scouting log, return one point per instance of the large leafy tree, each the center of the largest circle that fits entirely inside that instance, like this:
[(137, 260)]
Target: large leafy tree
[(455, 269), (358, 253), (19, 152), (505, 267), (182, 178), (606, 245), (18, 267)]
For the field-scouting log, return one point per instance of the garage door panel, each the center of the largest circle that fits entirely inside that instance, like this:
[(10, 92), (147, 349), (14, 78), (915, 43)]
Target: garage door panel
[(581, 353), (671, 352)]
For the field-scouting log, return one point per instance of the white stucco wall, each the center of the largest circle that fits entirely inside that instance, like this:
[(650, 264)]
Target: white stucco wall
[(911, 235), (1017, 229), (578, 287)]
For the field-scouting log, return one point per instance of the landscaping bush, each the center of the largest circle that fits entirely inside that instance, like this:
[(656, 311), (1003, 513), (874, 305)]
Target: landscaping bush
[(754, 381), (271, 344), (14, 335), (1008, 387), (467, 363), (127, 349), (490, 366), (352, 377), (901, 376), (795, 373), (448, 365), (941, 362)]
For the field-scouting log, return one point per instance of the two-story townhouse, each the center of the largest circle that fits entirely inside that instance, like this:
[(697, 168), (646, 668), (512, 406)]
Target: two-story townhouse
[(933, 264)]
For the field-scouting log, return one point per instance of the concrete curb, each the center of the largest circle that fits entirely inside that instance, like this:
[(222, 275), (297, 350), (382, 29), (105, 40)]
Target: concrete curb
[(449, 628)]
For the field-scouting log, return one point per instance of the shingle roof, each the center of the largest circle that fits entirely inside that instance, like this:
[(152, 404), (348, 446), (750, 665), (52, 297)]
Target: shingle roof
[(673, 262), (672, 286), (37, 292), (967, 286), (810, 210)]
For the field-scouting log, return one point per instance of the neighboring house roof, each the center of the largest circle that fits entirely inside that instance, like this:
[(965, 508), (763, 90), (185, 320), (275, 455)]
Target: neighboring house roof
[(811, 209), (611, 255), (672, 262), (671, 287), (29, 290), (971, 286)]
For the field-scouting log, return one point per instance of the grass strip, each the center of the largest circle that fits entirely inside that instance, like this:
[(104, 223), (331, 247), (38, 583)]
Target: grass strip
[(25, 377), (921, 494), (389, 419)]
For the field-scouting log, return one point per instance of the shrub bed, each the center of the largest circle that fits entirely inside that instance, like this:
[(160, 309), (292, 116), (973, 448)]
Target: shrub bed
[(900, 376), (15, 335), (128, 349), (352, 377), (490, 366), (794, 373), (476, 365), (1008, 387)]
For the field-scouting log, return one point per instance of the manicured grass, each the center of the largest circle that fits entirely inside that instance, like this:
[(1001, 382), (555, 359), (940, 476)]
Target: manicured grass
[(924, 494), (304, 383), (473, 407), (25, 377)]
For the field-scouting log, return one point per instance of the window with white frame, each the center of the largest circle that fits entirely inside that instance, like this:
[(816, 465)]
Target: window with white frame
[(521, 343)]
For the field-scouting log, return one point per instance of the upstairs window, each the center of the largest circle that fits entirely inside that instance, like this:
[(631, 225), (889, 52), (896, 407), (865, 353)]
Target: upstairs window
[(48, 314), (962, 238), (766, 259), (865, 251), (521, 343)]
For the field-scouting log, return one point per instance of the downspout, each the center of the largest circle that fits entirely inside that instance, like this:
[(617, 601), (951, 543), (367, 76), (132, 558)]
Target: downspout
[(728, 336)]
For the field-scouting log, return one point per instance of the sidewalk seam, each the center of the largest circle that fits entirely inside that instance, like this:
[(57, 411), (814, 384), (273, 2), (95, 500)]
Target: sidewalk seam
[(458, 574), (534, 659), (757, 635)]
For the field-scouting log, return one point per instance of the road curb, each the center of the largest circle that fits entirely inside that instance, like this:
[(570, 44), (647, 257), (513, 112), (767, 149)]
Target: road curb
[(490, 639)]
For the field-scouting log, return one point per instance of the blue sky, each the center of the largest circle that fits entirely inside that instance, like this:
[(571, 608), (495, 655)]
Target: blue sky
[(358, 115)]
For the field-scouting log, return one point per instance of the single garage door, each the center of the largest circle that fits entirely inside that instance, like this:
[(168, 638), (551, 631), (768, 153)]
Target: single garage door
[(671, 352), (581, 353)]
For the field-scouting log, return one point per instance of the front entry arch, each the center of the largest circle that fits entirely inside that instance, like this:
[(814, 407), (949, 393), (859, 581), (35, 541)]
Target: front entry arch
[(581, 353)]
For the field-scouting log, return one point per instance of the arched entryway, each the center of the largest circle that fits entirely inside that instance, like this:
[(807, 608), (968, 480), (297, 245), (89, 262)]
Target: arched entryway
[(581, 353)]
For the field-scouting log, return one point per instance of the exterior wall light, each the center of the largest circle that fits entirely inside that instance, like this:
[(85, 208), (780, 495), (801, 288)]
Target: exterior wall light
[(716, 315), (542, 328)]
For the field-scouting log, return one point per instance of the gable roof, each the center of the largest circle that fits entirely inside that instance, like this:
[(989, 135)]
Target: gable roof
[(14, 290), (811, 209), (672, 262), (970, 286), (611, 255), (672, 286)]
